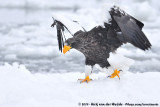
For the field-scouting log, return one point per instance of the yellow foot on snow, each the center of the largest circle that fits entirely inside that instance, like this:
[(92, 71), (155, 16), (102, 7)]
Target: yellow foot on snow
[(116, 73), (87, 79)]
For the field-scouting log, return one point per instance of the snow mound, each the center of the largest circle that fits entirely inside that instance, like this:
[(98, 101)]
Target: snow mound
[(20, 88)]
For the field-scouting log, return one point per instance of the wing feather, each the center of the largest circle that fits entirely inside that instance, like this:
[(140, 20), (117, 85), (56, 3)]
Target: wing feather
[(61, 28), (130, 27), (60, 33)]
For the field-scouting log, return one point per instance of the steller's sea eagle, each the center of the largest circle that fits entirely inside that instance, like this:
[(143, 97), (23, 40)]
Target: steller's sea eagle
[(99, 42)]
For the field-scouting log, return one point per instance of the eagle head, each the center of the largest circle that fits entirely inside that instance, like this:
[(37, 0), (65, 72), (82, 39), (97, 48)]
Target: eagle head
[(74, 42), (71, 43)]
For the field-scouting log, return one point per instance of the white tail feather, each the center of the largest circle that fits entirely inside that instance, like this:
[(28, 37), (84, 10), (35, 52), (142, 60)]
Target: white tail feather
[(120, 62)]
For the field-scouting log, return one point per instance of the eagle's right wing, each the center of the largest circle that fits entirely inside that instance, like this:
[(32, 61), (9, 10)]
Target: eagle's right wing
[(63, 23), (60, 30)]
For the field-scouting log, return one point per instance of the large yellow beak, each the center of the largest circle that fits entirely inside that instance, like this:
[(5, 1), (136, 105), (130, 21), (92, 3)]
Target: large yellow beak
[(66, 48)]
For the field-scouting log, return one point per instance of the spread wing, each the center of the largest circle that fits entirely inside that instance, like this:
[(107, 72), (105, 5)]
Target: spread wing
[(63, 24), (60, 33), (130, 27)]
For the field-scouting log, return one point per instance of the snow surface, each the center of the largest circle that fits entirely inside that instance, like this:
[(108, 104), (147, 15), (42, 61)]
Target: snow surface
[(21, 88)]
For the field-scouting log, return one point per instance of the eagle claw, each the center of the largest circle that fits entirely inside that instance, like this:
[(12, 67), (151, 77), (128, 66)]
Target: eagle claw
[(116, 73), (87, 79)]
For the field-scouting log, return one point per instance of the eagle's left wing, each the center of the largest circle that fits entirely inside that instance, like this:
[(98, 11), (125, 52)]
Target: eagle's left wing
[(130, 27)]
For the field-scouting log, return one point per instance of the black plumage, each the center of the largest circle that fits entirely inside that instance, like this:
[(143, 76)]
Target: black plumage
[(60, 33), (97, 43)]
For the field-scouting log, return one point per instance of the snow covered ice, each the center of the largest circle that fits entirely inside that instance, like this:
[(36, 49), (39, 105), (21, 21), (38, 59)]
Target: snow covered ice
[(21, 88), (43, 77)]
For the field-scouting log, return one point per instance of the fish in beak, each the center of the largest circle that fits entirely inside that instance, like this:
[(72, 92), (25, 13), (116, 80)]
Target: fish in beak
[(66, 48)]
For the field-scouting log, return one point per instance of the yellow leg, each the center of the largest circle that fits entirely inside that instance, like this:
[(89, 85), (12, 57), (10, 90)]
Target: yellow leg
[(87, 79), (116, 73)]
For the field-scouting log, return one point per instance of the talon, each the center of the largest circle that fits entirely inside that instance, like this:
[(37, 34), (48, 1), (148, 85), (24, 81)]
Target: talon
[(116, 73), (108, 76), (87, 79)]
